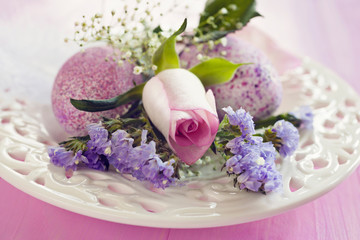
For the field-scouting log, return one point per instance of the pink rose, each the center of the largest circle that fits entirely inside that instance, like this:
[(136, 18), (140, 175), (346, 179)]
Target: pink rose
[(177, 104)]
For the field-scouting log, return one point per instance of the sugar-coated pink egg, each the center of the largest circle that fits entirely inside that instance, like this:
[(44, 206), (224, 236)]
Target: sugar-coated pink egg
[(254, 87), (92, 74)]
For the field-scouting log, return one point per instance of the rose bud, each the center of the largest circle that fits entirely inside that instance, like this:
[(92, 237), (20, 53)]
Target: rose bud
[(177, 104)]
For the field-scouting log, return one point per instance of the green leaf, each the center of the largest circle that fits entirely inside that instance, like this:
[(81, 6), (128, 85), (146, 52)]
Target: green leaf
[(224, 16), (107, 104), (165, 56), (215, 71)]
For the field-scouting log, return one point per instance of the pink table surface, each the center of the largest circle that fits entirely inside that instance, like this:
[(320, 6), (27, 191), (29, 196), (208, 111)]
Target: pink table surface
[(325, 30)]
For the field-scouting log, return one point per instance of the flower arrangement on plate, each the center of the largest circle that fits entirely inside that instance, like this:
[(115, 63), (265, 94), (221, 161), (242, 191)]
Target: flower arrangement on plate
[(163, 105)]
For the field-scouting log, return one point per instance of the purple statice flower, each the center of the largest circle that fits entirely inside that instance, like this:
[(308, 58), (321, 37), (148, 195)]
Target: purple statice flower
[(150, 167), (98, 147), (96, 161), (289, 136), (276, 181), (158, 172), (141, 154), (240, 146), (59, 156), (234, 165), (141, 161), (305, 114), (99, 142), (121, 146), (253, 164), (265, 149), (242, 119), (261, 174)]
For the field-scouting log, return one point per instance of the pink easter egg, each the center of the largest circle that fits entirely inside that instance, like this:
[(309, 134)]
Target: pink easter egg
[(92, 74), (254, 87)]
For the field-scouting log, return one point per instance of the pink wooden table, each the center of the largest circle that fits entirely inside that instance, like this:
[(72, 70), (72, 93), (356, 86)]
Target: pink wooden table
[(326, 30)]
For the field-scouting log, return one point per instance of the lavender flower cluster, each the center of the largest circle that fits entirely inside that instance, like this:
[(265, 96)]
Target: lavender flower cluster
[(117, 150), (253, 161), (287, 137)]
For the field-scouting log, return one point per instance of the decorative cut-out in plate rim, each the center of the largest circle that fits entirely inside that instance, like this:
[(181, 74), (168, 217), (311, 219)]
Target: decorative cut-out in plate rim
[(326, 156)]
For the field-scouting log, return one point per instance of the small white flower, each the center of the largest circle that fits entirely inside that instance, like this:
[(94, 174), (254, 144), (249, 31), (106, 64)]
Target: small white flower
[(224, 11), (260, 161), (211, 44), (223, 53), (223, 41), (232, 7), (138, 70), (127, 54), (239, 25), (179, 38), (200, 57), (153, 42), (183, 63), (154, 67)]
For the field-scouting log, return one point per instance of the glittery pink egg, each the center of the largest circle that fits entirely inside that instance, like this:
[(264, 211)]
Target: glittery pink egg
[(254, 87), (92, 74)]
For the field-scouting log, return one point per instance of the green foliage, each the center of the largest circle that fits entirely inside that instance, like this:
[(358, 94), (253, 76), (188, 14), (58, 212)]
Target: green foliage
[(75, 144), (215, 71), (107, 104), (165, 56), (223, 136), (223, 16)]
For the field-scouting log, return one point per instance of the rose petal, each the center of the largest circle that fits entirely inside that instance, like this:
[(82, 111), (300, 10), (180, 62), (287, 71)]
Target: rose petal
[(199, 137), (211, 119), (175, 117), (190, 93), (181, 137), (211, 99), (188, 154), (156, 104)]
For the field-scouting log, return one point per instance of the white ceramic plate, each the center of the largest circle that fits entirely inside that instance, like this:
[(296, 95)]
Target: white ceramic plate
[(326, 155)]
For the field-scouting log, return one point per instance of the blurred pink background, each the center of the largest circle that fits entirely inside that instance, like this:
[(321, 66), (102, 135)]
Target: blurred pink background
[(32, 50)]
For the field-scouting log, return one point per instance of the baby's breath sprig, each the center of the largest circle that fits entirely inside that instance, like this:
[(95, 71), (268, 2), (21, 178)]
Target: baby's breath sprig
[(130, 30)]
